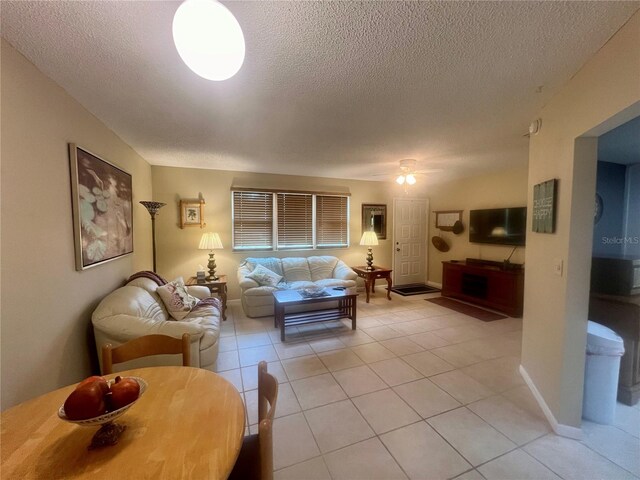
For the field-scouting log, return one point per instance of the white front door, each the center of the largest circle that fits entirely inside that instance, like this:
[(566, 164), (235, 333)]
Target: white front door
[(410, 241)]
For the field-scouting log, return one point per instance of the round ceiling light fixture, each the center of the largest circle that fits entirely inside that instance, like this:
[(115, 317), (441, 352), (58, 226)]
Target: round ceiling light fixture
[(208, 39), (407, 169)]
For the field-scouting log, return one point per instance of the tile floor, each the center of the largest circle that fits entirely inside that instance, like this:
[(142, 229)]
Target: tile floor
[(417, 391)]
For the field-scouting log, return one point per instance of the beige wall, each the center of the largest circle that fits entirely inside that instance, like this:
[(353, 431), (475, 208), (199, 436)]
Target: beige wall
[(46, 303), (178, 253), (555, 313), (496, 190)]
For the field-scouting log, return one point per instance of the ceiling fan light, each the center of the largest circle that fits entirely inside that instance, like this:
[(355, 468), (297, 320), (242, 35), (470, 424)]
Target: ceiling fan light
[(411, 180), (400, 180), (208, 39)]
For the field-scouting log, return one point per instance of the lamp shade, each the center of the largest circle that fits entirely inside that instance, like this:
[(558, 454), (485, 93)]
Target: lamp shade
[(369, 238), (210, 241)]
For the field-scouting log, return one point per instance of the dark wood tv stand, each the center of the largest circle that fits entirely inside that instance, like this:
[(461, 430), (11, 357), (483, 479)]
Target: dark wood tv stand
[(495, 285)]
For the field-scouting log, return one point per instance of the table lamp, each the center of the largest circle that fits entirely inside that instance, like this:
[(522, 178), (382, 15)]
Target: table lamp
[(369, 238), (211, 241)]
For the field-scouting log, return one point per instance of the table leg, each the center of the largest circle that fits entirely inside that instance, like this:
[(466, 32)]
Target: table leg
[(389, 287), (354, 303), (367, 286), (280, 319), (223, 298)]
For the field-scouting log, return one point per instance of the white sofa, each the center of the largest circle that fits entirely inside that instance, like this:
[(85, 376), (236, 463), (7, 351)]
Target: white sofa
[(136, 310), (297, 273)]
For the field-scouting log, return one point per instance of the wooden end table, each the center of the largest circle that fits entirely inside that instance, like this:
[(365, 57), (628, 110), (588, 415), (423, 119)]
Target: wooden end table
[(219, 287), (370, 277), (347, 308)]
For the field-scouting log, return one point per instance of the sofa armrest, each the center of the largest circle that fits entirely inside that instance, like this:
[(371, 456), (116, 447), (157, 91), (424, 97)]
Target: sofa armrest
[(199, 291), (122, 328), (343, 272), (243, 281)]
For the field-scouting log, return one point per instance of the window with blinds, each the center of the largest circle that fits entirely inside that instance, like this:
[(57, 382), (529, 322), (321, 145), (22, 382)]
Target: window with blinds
[(252, 220), (332, 222), (289, 220), (295, 221)]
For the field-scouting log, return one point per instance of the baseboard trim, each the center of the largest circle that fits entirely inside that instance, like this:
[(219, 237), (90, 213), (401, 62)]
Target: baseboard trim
[(558, 428), (435, 284)]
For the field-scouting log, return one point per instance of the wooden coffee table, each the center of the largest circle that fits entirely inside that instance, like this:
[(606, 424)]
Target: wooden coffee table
[(346, 308)]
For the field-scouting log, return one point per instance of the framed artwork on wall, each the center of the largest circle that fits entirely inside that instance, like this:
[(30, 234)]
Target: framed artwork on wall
[(544, 206), (102, 209), (374, 217), (192, 213)]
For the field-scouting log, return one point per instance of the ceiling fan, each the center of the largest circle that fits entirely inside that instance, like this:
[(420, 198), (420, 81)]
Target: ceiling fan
[(408, 172)]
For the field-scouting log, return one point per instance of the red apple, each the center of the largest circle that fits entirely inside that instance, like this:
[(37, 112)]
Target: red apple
[(104, 386), (123, 392), (85, 402)]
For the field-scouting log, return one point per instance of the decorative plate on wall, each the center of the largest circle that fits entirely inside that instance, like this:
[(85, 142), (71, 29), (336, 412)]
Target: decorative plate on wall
[(599, 208)]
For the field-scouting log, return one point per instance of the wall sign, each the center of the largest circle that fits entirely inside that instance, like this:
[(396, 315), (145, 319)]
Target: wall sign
[(544, 206)]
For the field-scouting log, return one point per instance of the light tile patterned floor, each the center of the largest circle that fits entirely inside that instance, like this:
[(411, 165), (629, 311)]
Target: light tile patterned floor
[(417, 391)]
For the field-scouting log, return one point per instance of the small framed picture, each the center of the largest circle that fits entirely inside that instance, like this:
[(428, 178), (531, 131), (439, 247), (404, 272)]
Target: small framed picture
[(192, 213)]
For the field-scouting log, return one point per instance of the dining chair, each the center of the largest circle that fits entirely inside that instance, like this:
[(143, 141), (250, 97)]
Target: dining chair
[(256, 456), (143, 347)]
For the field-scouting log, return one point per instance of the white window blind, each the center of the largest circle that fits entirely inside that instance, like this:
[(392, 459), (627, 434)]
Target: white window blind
[(274, 220), (332, 221), (295, 221), (252, 220)]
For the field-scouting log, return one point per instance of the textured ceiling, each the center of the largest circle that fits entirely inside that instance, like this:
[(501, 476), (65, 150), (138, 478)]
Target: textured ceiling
[(333, 89)]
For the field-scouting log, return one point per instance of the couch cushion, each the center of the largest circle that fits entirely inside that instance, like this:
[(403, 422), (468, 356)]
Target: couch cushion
[(335, 282), (264, 276), (259, 291), (133, 301), (271, 263), (209, 318), (296, 269), (300, 285), (321, 267), (176, 299)]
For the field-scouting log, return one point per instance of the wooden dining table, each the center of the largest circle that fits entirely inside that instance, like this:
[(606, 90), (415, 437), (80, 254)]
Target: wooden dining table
[(189, 423)]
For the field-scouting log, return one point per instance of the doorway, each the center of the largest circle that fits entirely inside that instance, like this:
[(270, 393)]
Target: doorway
[(409, 240)]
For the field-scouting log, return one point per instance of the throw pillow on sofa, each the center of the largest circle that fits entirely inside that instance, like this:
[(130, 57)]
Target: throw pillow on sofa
[(176, 299), (264, 276)]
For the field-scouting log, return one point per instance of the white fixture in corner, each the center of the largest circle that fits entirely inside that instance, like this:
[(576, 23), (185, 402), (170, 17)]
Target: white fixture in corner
[(535, 126), (209, 39)]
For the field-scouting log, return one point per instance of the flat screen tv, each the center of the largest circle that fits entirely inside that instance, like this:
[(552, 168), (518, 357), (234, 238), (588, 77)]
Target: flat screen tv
[(500, 226)]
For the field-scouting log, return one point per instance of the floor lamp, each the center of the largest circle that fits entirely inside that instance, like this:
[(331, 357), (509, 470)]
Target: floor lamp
[(153, 208)]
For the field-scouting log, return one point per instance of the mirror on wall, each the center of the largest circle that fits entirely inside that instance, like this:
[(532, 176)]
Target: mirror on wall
[(374, 217)]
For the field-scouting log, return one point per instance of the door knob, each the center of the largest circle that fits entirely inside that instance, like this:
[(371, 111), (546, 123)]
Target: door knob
[(397, 249)]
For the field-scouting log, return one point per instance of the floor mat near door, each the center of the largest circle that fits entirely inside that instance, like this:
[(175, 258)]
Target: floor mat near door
[(475, 312), (414, 289)]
